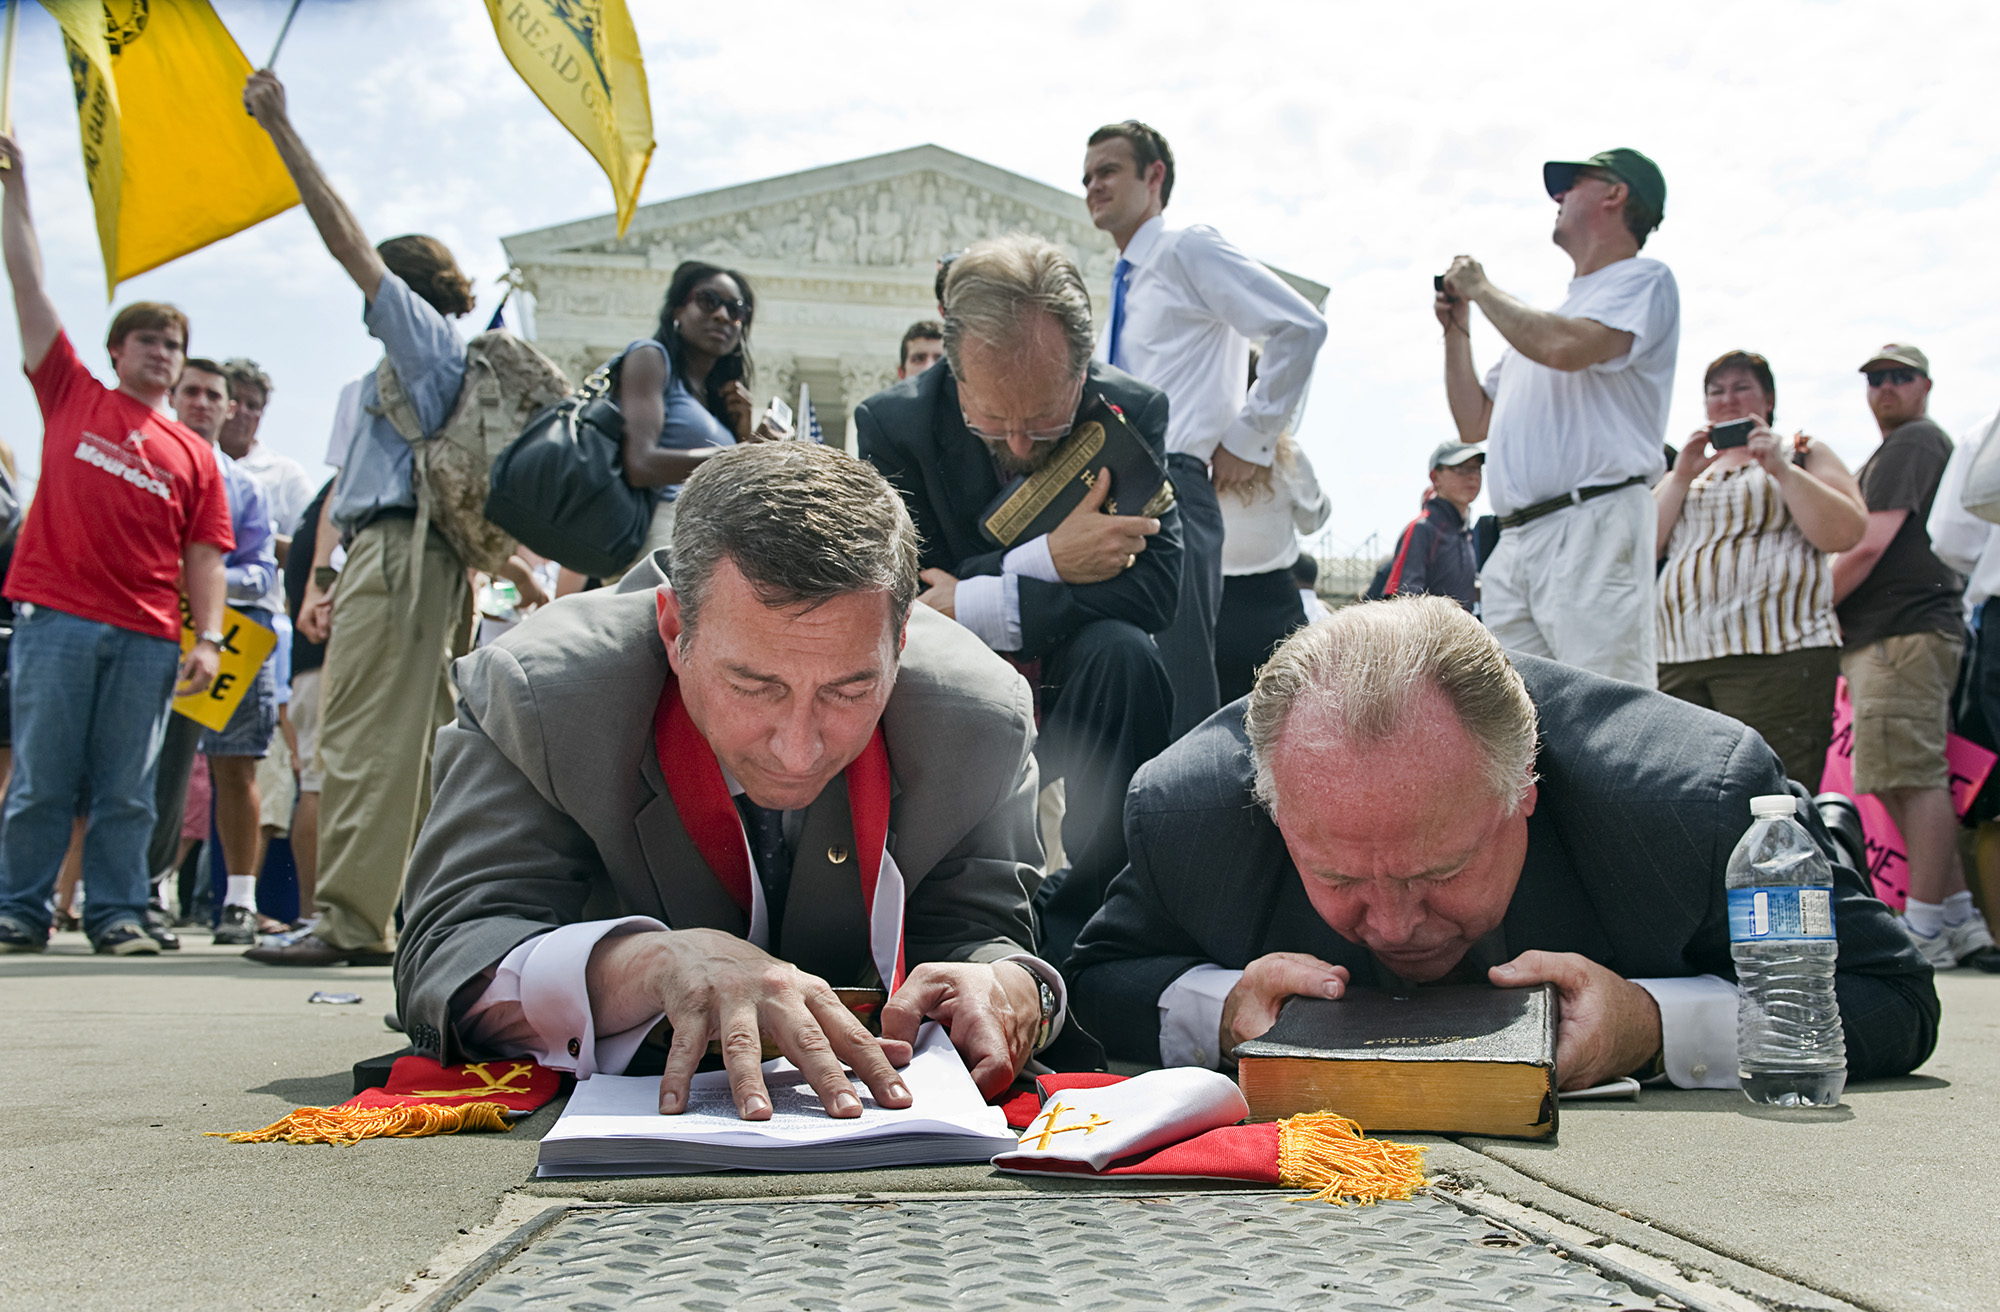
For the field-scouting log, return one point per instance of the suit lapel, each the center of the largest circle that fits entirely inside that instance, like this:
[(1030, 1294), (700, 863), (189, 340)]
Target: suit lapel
[(686, 889), (826, 927)]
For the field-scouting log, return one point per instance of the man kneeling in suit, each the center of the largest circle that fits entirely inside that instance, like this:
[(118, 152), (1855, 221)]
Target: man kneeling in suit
[(715, 799), (1076, 605), (1380, 809)]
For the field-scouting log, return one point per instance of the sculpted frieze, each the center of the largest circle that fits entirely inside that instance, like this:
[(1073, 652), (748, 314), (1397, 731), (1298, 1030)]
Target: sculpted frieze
[(901, 222)]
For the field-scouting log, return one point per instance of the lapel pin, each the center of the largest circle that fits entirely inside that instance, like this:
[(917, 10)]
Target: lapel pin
[(837, 854)]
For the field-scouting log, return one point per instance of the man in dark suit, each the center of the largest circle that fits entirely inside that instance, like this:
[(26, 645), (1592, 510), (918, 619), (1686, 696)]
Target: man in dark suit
[(1396, 801), (717, 799), (1073, 608)]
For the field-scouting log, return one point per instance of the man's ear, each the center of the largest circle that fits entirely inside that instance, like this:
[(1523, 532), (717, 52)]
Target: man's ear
[(671, 626), (1528, 800)]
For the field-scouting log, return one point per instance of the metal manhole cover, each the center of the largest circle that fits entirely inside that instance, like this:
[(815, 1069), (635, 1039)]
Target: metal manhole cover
[(1235, 1251)]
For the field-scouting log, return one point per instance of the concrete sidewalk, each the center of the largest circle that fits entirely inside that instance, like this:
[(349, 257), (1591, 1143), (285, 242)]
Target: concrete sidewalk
[(114, 1069)]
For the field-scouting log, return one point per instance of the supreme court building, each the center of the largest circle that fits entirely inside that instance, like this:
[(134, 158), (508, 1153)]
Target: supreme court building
[(842, 260)]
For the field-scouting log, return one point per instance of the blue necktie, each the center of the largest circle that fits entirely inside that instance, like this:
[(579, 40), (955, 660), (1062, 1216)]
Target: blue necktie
[(1119, 272)]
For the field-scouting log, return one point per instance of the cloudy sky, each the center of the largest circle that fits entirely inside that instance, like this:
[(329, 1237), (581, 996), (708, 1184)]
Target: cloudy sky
[(1830, 170)]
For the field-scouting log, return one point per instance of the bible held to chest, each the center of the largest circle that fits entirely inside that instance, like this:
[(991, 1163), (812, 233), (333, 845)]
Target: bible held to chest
[(1101, 442), (1446, 1060)]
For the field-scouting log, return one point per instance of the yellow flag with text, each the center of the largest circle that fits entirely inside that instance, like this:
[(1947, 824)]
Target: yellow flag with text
[(173, 161), (581, 57)]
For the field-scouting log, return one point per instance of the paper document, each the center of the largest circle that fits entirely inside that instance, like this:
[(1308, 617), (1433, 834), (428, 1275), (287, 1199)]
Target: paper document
[(612, 1125)]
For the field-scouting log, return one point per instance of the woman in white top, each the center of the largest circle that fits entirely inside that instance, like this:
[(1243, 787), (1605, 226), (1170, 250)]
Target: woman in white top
[(1745, 605), (1261, 523)]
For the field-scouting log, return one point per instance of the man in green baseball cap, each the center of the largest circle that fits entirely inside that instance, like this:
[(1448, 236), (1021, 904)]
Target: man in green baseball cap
[(1574, 417)]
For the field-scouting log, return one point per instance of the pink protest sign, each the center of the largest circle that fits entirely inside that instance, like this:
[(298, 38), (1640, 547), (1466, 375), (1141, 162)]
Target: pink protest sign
[(1888, 869)]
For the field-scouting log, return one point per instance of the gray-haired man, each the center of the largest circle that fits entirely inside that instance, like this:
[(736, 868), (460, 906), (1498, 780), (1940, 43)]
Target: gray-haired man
[(715, 799), (1403, 802), (1074, 606)]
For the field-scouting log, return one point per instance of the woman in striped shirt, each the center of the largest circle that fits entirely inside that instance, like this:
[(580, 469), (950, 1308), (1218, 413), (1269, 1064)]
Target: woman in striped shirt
[(1745, 605)]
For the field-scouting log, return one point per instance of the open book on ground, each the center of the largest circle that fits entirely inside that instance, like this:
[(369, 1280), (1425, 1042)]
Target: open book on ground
[(612, 1125)]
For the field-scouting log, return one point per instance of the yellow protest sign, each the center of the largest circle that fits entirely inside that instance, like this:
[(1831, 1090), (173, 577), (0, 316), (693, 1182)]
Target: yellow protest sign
[(246, 645), (581, 57), (172, 160)]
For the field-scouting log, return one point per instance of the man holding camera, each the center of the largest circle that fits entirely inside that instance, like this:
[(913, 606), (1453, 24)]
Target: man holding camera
[(1574, 416)]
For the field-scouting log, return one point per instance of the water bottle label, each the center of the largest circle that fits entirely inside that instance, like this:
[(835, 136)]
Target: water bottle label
[(1769, 915)]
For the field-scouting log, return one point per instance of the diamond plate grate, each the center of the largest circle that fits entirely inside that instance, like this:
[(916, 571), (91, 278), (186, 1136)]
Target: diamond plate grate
[(1244, 1252)]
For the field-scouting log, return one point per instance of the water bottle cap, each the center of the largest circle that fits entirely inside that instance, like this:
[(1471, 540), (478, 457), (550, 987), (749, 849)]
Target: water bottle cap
[(1774, 806)]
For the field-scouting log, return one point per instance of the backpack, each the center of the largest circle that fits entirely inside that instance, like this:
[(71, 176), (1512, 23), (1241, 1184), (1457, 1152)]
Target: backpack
[(1378, 587), (507, 382)]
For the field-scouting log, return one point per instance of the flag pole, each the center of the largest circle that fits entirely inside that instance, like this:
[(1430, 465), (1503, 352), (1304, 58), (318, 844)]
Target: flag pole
[(272, 62), (7, 68), (7, 74)]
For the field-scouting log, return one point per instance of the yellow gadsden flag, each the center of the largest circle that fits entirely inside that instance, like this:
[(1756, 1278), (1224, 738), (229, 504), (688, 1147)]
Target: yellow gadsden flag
[(582, 58), (173, 161)]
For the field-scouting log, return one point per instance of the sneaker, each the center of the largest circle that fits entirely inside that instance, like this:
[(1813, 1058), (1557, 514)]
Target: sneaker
[(125, 939), (1935, 948), (160, 925), (13, 938), (1968, 937), (238, 928)]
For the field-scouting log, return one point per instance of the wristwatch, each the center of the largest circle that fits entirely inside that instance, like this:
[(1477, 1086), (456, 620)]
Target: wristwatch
[(1048, 1008), (324, 576), (209, 636)]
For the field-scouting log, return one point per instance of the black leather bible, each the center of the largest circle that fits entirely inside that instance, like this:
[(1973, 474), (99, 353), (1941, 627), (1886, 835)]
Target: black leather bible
[(1034, 504), (1452, 1059)]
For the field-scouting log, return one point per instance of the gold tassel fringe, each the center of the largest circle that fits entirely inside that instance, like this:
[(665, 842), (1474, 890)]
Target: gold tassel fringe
[(350, 1125), (1329, 1155)]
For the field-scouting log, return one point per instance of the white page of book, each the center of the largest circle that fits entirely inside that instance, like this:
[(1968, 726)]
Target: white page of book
[(944, 1100)]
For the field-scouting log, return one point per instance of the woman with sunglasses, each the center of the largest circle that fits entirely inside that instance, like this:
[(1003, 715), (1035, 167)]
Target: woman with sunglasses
[(1745, 601), (685, 391)]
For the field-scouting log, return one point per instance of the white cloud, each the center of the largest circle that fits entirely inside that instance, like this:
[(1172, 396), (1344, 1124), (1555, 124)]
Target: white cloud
[(1829, 168)]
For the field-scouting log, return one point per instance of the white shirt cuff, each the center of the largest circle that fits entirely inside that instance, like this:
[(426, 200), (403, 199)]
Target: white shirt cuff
[(1191, 1017), (538, 1004), (1033, 559), (1248, 443), (1052, 977), (1697, 1029), (990, 605)]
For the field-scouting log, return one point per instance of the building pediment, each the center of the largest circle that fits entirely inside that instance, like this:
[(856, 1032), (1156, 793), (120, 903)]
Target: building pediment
[(862, 218)]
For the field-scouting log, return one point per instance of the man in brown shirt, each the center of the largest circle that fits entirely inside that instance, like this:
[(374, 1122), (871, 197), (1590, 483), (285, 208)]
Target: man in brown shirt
[(1902, 638)]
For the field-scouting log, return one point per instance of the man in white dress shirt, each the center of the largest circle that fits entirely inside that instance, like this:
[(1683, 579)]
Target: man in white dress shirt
[(1574, 416), (1185, 306)]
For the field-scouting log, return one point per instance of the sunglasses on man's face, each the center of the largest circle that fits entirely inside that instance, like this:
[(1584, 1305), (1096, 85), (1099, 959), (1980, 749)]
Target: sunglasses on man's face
[(709, 303), (1899, 377)]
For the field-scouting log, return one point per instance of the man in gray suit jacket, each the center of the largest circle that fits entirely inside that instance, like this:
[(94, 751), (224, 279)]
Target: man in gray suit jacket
[(673, 801), (1381, 808)]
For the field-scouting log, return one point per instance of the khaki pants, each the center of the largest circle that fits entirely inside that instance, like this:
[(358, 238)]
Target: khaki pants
[(387, 689), (1577, 586), (1901, 688)]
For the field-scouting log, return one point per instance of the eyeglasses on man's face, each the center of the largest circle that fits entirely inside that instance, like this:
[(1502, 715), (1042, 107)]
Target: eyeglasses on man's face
[(709, 302), (1045, 429), (1887, 377)]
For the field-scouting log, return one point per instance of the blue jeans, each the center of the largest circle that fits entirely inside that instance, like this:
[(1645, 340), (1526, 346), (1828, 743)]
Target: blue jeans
[(90, 704)]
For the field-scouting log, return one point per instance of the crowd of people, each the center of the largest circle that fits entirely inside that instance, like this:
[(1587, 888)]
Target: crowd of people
[(1120, 787)]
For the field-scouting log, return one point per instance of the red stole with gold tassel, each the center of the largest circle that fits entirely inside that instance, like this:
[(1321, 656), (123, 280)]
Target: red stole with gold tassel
[(708, 814)]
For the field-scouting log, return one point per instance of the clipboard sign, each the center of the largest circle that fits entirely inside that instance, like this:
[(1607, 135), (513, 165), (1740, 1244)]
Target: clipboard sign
[(246, 645)]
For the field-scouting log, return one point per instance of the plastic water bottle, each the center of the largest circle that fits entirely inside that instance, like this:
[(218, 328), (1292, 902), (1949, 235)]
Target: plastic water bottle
[(1789, 1048)]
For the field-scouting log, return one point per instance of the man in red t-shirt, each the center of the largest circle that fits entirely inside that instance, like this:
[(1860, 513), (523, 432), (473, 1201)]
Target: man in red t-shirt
[(130, 508)]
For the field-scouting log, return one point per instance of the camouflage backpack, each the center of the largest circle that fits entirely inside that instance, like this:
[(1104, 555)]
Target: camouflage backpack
[(507, 382)]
